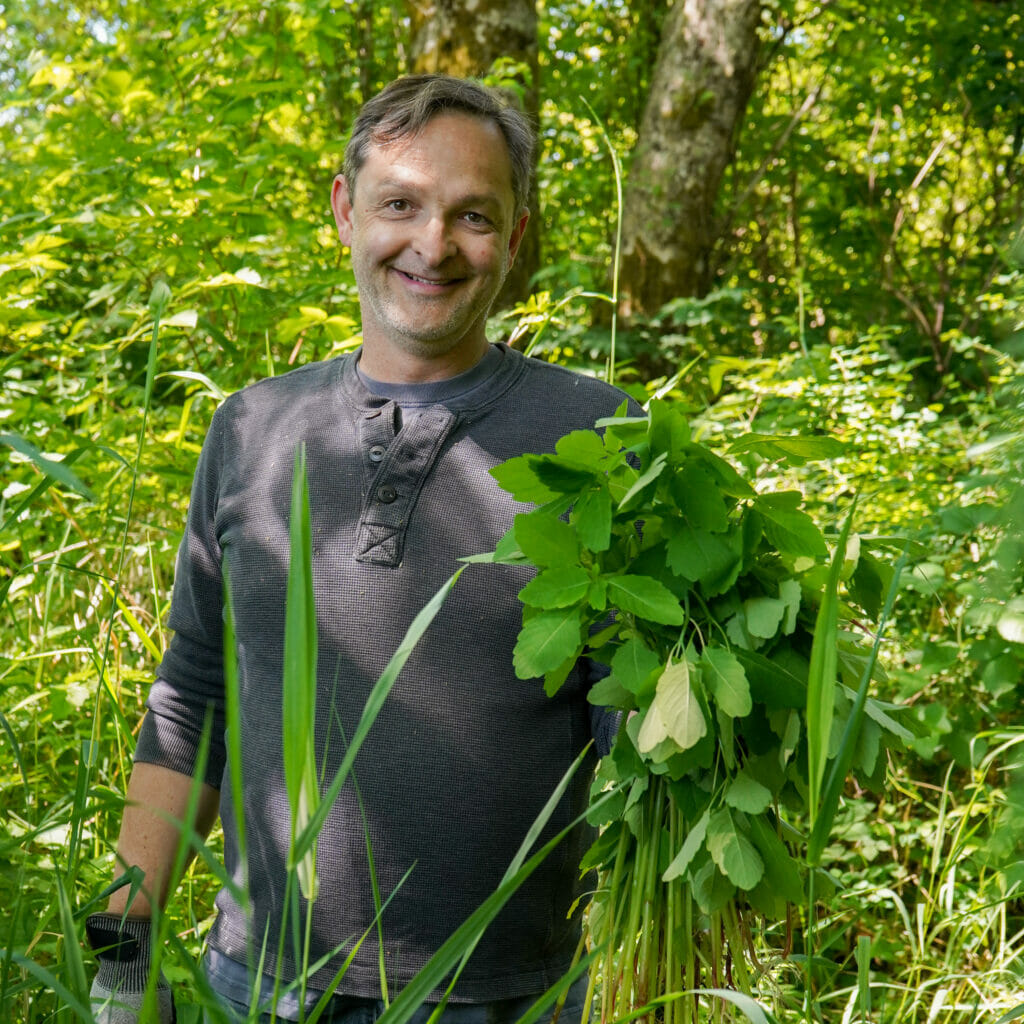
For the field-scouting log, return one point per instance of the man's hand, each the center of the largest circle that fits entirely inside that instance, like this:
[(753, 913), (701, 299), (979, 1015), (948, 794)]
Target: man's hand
[(123, 949)]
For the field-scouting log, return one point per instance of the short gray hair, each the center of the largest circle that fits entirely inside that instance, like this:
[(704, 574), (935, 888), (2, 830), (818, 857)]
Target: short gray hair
[(404, 107)]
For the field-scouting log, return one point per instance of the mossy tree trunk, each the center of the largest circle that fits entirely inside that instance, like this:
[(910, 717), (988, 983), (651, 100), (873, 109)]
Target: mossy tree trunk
[(705, 74)]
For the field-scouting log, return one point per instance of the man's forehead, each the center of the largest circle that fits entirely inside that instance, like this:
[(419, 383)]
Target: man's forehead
[(405, 160)]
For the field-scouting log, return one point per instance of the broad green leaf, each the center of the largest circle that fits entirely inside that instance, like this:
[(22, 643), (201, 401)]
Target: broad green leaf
[(582, 448), (645, 597), (693, 842), (547, 540), (649, 475), (517, 476), (731, 849), (770, 683), (699, 556), (592, 516), (763, 616), (700, 499), (608, 693), (560, 476), (556, 588), (727, 681), (781, 871), (747, 794), (554, 678), (1011, 623), (796, 449), (711, 889), (633, 665), (788, 527), (546, 641), (789, 595), (675, 713)]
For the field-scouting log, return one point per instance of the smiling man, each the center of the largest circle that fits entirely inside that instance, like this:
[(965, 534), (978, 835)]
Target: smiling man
[(400, 438)]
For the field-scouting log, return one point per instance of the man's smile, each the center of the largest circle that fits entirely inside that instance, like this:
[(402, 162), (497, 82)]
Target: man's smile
[(436, 282)]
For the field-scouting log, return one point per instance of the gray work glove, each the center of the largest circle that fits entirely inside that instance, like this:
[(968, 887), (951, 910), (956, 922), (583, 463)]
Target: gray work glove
[(122, 947)]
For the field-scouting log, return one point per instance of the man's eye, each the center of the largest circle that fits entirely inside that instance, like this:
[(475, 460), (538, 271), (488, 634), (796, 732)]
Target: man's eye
[(398, 205), (475, 218)]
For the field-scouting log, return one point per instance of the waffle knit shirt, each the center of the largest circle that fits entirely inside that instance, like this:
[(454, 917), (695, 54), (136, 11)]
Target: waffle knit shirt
[(463, 755)]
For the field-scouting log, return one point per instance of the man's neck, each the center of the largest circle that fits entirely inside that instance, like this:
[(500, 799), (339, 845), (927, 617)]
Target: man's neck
[(391, 366)]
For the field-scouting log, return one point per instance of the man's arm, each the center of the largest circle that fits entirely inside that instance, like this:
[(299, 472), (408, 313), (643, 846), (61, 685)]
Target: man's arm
[(157, 797)]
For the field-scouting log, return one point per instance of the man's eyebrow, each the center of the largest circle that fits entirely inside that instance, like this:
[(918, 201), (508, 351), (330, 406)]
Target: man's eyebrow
[(473, 199)]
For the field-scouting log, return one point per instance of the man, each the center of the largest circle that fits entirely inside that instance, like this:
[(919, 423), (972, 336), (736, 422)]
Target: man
[(399, 440)]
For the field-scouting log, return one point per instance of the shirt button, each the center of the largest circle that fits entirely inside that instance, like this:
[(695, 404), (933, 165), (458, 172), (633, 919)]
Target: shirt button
[(377, 452), (386, 493)]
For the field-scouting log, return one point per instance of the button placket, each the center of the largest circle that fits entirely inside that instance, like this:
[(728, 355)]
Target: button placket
[(395, 488)]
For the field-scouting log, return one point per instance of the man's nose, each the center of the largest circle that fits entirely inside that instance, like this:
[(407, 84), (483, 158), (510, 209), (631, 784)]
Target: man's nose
[(434, 242)]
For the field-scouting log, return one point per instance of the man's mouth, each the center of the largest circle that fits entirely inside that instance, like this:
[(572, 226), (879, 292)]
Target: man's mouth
[(436, 282)]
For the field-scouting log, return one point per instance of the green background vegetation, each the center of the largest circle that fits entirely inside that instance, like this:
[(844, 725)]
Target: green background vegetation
[(868, 284)]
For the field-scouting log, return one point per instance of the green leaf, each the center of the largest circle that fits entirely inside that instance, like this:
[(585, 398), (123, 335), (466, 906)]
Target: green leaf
[(795, 450), (770, 683), (789, 595), (781, 871), (556, 588), (547, 540), (592, 516), (675, 712), (693, 842), (764, 616), (374, 702), (560, 477), (821, 681), (789, 528), (609, 693), (300, 681), (747, 794), (583, 449), (733, 852), (546, 641), (517, 476), (48, 467), (646, 597), (633, 665), (725, 678), (700, 499), (699, 556), (649, 475)]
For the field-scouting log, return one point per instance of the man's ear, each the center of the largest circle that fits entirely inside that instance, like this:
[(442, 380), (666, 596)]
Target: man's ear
[(341, 204), (518, 230)]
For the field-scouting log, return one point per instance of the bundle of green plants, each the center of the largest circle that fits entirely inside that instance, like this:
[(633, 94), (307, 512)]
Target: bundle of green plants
[(740, 655)]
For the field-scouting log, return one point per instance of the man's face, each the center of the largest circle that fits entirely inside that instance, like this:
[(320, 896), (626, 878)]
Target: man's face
[(433, 229)]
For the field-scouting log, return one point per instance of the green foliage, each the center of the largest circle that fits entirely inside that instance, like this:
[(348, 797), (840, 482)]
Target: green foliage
[(869, 288), (658, 559)]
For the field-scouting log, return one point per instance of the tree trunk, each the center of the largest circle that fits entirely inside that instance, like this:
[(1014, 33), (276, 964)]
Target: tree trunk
[(465, 38), (705, 73)]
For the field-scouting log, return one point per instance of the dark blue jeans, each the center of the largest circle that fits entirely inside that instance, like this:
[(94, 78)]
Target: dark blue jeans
[(354, 1010)]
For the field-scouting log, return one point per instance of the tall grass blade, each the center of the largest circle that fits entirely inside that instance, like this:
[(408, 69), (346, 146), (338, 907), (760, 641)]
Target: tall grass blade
[(57, 987), (840, 767), (467, 934), (821, 681), (233, 721), (56, 471), (374, 703), (299, 682), (531, 837), (73, 962)]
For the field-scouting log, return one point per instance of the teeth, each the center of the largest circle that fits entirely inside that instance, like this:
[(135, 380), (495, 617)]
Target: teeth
[(422, 280)]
